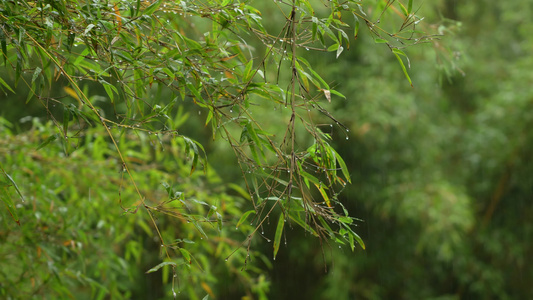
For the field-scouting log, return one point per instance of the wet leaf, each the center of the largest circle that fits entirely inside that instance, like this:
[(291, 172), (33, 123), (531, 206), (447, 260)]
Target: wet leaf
[(279, 233), (244, 217), (152, 8), (403, 68), (159, 266)]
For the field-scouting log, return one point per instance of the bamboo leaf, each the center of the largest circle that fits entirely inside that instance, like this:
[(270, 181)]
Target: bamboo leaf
[(152, 8), (14, 185), (6, 85), (403, 68), (248, 71), (186, 255), (343, 166), (279, 233), (47, 141), (243, 217), (356, 27), (404, 10), (355, 235), (159, 266), (36, 73), (324, 194)]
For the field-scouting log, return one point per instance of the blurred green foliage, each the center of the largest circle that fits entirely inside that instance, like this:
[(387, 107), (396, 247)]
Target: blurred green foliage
[(442, 173), (75, 241)]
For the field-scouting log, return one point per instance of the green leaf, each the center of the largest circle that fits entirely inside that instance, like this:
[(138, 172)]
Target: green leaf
[(396, 50), (159, 266), (410, 6), (380, 41), (404, 10), (6, 85), (194, 163), (333, 47), (298, 220), (324, 194), (47, 141), (186, 255), (91, 26), (342, 165), (354, 235), (199, 228), (356, 27), (152, 8), (36, 73), (194, 91), (243, 217), (279, 233), (403, 68), (308, 177), (337, 93), (248, 71)]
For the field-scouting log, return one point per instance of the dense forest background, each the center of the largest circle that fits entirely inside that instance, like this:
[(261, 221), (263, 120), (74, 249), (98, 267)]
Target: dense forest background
[(441, 172)]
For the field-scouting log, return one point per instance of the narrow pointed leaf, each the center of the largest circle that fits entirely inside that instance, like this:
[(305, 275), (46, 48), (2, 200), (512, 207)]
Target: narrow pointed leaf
[(14, 184), (159, 266), (6, 85), (403, 68), (244, 217), (47, 141), (279, 233), (152, 8)]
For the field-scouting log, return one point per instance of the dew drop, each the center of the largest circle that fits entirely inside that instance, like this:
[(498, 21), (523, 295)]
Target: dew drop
[(347, 138)]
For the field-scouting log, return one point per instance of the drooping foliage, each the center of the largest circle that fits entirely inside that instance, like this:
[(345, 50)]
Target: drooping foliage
[(139, 69)]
